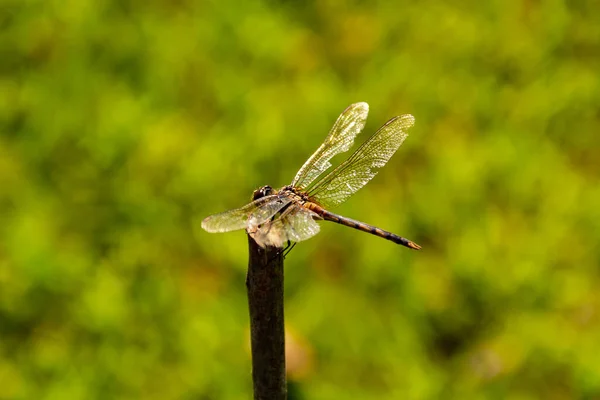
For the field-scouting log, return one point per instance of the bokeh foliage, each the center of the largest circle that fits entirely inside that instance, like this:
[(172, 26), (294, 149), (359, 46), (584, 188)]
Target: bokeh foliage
[(124, 123)]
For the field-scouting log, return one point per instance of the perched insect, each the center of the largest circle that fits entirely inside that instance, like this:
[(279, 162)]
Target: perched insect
[(288, 215)]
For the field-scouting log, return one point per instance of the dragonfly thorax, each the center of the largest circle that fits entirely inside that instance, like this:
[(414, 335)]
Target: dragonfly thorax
[(296, 193)]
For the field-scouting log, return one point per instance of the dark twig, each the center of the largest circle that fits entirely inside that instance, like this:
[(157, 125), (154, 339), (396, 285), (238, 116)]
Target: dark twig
[(265, 298)]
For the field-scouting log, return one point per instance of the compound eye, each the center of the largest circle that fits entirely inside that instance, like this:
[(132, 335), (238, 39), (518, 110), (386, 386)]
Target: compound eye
[(262, 192)]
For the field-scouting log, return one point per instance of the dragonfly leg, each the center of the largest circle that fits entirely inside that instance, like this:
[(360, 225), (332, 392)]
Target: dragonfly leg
[(285, 251), (288, 248)]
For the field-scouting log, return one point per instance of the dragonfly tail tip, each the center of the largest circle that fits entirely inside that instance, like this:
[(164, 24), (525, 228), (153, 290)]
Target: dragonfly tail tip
[(414, 246)]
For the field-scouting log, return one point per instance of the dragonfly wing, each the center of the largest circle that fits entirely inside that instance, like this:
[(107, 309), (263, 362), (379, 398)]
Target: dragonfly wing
[(340, 139), (251, 215), (294, 225), (360, 167), (301, 225)]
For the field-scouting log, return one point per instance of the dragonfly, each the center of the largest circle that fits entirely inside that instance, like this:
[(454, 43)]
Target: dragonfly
[(276, 217)]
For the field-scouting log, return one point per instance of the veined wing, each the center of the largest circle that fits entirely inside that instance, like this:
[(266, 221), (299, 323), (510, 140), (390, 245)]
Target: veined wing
[(295, 224), (251, 215), (360, 167), (340, 139)]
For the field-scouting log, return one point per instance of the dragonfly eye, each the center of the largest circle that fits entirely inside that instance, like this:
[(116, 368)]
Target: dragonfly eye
[(262, 192)]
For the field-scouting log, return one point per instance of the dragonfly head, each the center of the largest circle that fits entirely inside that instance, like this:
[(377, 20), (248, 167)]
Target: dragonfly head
[(262, 192)]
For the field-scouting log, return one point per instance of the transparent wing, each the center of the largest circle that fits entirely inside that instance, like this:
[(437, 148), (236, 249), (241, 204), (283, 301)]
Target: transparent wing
[(295, 224), (360, 167), (250, 215), (340, 139)]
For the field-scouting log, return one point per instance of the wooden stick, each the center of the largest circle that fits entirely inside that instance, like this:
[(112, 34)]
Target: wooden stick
[(265, 299)]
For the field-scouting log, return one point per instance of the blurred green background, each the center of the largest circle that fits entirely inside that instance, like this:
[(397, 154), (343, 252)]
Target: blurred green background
[(124, 123)]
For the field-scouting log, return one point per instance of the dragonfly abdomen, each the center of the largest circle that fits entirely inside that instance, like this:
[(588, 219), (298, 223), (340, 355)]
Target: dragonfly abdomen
[(329, 216)]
